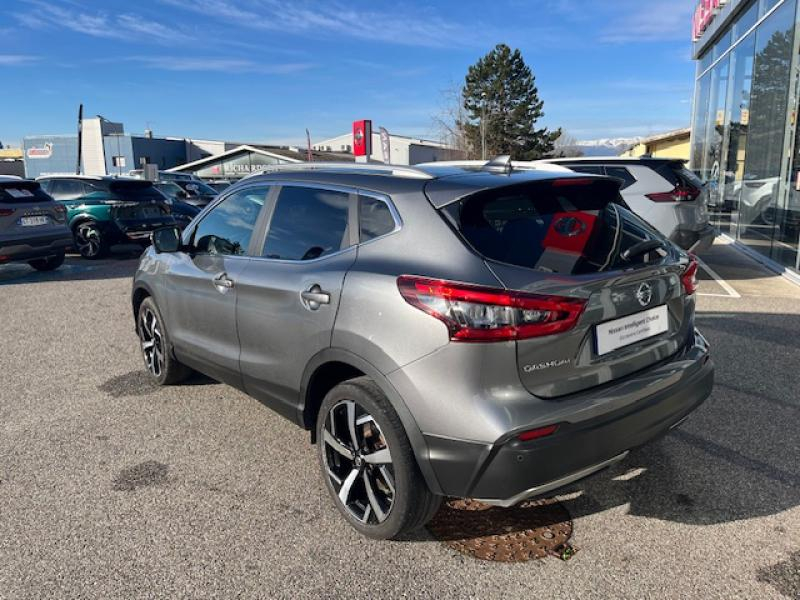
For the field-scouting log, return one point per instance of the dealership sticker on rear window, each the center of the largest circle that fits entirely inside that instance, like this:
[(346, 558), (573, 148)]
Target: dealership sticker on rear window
[(631, 329), (15, 193)]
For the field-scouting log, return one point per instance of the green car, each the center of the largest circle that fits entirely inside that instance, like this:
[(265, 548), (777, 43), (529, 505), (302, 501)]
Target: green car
[(104, 211)]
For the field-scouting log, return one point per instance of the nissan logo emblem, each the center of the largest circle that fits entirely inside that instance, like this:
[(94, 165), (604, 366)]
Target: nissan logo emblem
[(644, 294), (569, 226)]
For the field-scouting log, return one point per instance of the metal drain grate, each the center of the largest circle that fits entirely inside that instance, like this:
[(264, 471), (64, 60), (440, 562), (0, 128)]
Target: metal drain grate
[(531, 530)]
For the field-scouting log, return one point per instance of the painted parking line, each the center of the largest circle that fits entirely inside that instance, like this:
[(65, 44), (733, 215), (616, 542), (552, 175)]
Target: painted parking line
[(731, 293)]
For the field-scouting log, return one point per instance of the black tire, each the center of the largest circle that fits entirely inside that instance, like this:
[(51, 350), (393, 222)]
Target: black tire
[(400, 500), (161, 364), (49, 263), (90, 241)]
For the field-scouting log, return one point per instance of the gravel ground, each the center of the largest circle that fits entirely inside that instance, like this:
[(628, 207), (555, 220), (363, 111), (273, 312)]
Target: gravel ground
[(112, 488)]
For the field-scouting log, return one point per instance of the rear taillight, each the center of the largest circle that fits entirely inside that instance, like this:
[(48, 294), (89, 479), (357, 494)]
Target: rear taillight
[(689, 277), (4, 212), (679, 194), (61, 213), (483, 314)]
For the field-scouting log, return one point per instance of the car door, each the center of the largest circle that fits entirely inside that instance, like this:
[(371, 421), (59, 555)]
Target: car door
[(202, 284), (288, 297)]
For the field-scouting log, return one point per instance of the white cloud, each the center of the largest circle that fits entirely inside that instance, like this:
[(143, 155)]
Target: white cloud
[(100, 24), (215, 64), (656, 20), (15, 60), (333, 19)]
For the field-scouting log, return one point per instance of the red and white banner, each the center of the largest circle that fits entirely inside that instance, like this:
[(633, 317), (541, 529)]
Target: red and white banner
[(362, 138)]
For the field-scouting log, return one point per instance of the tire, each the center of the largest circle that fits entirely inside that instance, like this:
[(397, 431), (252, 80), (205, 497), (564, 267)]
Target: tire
[(163, 367), (90, 240), (382, 500), (49, 263)]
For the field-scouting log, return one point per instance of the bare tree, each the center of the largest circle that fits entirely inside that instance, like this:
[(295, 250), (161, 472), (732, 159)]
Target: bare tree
[(448, 123), (566, 146)]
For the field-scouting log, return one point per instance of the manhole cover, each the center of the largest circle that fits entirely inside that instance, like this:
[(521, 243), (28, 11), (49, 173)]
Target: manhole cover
[(533, 529)]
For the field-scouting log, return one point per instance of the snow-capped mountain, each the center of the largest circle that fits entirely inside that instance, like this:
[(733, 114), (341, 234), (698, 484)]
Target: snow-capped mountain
[(606, 146)]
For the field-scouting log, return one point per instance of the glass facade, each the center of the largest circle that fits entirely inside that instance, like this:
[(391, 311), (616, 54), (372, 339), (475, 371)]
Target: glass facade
[(744, 135)]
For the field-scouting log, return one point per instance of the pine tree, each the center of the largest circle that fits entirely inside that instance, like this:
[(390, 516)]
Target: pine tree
[(500, 90)]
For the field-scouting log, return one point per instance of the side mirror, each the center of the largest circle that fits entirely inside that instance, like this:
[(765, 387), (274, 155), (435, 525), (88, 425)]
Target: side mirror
[(166, 239)]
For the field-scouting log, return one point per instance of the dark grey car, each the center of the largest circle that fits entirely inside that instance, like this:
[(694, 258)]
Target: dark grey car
[(446, 331), (33, 227)]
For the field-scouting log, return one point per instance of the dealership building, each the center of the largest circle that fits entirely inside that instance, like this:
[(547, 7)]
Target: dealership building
[(744, 128)]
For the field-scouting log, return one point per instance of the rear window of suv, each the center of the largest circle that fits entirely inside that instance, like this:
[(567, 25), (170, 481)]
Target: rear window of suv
[(678, 175), (561, 226), (135, 191), (22, 191)]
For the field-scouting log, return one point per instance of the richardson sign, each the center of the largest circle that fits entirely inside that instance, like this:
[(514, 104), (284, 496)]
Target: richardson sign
[(45, 151), (704, 14)]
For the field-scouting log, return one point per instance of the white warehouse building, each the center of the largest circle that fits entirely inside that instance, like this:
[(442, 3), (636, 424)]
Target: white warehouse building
[(404, 150)]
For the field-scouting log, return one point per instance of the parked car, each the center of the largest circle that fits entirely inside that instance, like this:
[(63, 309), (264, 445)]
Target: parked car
[(182, 211), (33, 228), (197, 193), (103, 211), (660, 190), (441, 331), (166, 175)]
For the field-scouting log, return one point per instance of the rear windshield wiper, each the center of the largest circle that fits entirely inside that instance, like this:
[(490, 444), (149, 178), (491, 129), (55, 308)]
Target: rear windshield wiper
[(641, 248)]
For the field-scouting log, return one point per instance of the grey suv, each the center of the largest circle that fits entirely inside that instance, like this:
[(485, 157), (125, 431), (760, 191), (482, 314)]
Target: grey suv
[(447, 331)]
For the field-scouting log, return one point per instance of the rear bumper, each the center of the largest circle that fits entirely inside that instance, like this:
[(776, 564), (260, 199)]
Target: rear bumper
[(35, 247), (510, 471), (694, 241)]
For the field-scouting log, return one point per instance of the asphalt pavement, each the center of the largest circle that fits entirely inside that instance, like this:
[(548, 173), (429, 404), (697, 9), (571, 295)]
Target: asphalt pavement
[(113, 488)]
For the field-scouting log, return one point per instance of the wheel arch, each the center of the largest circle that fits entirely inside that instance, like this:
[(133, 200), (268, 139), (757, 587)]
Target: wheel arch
[(335, 365)]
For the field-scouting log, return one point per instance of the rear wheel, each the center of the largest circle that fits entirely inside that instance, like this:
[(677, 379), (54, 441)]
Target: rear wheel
[(90, 240), (368, 464), (163, 367), (48, 263)]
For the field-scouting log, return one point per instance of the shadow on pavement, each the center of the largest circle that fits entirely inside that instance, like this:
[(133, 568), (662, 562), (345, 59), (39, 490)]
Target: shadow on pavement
[(118, 264)]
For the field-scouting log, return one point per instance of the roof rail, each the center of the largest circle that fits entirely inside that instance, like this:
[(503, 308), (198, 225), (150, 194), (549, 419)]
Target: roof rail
[(343, 167), (501, 164)]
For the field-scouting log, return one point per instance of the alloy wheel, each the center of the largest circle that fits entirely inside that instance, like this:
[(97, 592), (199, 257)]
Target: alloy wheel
[(152, 341), (87, 239), (358, 462)]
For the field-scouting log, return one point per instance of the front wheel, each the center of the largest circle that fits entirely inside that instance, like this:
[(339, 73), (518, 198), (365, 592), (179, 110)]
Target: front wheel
[(90, 240), (368, 464), (162, 366), (49, 263)]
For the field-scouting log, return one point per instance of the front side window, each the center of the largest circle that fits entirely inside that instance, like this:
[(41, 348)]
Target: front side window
[(308, 223), (227, 229), (374, 217)]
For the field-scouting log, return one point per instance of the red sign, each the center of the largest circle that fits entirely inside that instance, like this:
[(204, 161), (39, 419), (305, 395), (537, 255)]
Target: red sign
[(362, 138), (704, 14), (570, 232)]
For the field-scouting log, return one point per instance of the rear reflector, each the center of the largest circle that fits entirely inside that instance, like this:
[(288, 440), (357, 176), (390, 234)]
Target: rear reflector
[(483, 314), (535, 434), (689, 277), (679, 194)]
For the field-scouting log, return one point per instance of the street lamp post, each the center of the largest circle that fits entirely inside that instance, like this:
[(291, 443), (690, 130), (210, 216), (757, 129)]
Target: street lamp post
[(483, 125)]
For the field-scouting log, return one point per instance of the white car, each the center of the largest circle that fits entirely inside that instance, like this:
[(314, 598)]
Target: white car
[(660, 190)]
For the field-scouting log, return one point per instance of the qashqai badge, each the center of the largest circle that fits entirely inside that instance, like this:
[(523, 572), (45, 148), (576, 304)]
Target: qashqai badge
[(644, 294)]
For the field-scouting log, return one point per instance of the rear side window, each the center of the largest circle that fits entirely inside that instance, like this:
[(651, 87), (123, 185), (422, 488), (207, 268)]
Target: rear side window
[(22, 191), (590, 169), (308, 223), (555, 226), (621, 173), (66, 189), (228, 227), (678, 175), (374, 217)]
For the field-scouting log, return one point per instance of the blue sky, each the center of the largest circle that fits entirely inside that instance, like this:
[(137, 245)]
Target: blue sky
[(264, 70)]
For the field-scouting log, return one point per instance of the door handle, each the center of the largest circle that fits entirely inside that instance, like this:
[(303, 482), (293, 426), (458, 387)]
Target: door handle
[(223, 283), (315, 296)]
